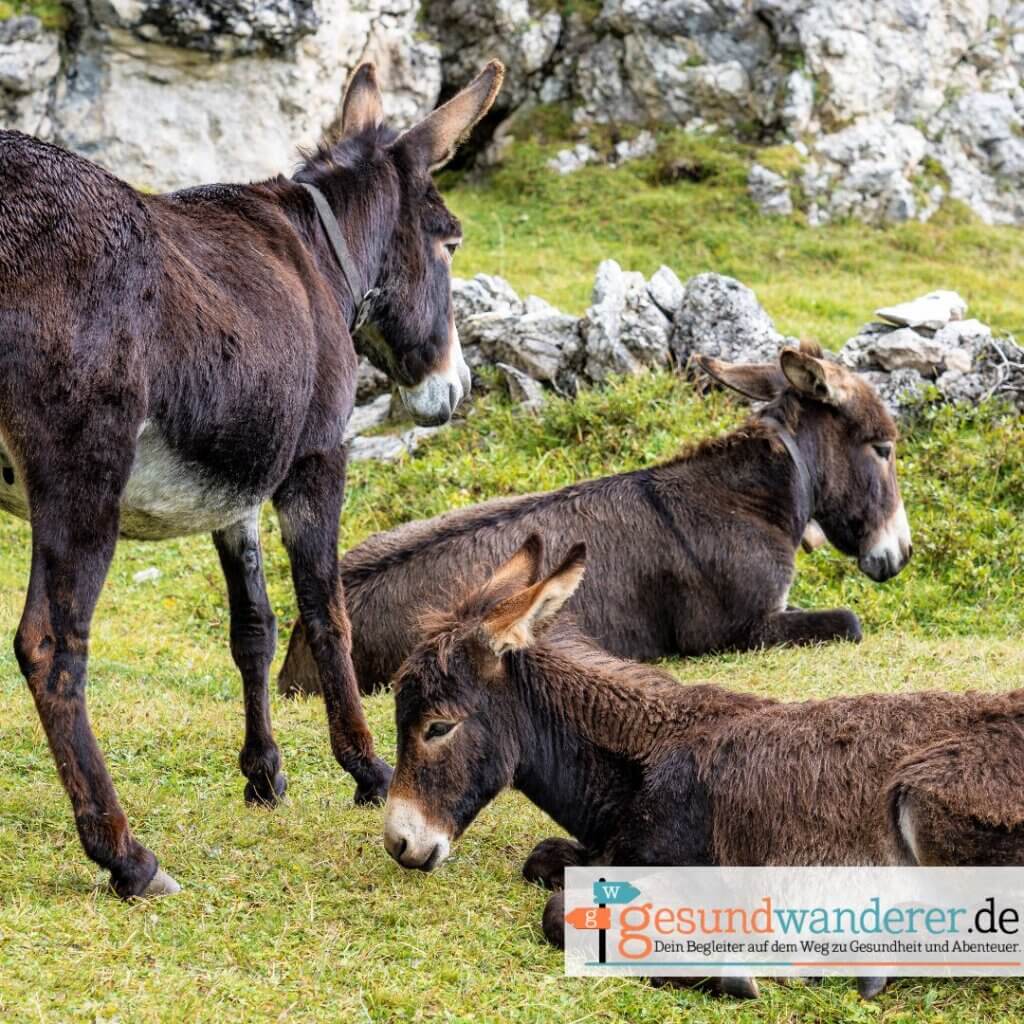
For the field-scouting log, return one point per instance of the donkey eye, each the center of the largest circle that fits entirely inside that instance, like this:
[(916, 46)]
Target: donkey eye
[(883, 450), (438, 729)]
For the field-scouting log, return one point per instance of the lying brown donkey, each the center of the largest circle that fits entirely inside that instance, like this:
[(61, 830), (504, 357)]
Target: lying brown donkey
[(701, 548), (492, 697)]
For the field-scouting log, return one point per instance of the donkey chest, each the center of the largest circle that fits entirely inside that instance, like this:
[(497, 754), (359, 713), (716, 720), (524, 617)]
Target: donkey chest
[(166, 495)]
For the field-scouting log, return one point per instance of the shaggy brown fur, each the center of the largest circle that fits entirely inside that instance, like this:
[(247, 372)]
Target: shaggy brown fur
[(170, 362), (701, 549), (641, 770)]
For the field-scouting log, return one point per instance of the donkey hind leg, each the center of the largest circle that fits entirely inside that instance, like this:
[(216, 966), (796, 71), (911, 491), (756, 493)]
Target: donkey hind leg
[(71, 551), (797, 627), (309, 508), (550, 857), (253, 639)]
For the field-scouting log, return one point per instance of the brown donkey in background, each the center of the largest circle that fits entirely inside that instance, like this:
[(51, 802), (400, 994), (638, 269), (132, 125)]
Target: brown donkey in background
[(701, 548), (644, 771), (171, 362)]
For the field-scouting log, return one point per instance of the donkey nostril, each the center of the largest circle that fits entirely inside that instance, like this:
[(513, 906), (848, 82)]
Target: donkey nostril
[(453, 397), (402, 847)]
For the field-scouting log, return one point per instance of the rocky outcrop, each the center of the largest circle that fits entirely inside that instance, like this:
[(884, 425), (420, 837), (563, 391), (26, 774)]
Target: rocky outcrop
[(170, 93), (927, 347), (29, 63), (893, 107)]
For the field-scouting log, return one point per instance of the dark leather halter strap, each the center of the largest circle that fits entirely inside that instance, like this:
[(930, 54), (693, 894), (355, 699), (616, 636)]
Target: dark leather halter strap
[(363, 300), (789, 442)]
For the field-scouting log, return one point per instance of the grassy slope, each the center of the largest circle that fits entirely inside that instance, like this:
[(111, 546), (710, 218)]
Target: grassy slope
[(298, 914)]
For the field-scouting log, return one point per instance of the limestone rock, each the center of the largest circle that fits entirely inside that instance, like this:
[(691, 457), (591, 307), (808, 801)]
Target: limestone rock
[(29, 64), (542, 343), (366, 417), (206, 119), (930, 311), (370, 382), (666, 290), (769, 190), (522, 389), (721, 317), (624, 330)]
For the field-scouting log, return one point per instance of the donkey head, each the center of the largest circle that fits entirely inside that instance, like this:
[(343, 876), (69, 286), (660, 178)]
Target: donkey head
[(458, 728), (849, 438), (379, 185)]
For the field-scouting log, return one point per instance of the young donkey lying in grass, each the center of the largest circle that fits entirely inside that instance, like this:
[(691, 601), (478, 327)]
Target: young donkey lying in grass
[(701, 548), (497, 696)]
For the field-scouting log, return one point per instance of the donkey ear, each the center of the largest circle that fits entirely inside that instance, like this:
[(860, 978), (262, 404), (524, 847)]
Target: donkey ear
[(760, 381), (811, 376), (362, 107), (522, 569), (438, 135), (511, 626)]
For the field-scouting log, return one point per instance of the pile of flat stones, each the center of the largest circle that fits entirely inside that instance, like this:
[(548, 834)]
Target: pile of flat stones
[(636, 323)]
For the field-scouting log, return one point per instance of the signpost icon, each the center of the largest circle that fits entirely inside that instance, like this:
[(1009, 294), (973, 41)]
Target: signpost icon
[(599, 918)]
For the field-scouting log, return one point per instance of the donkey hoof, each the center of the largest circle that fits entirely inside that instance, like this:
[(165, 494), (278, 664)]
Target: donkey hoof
[(549, 859), (264, 793), (161, 884), (553, 921), (373, 789), (740, 988), (868, 988)]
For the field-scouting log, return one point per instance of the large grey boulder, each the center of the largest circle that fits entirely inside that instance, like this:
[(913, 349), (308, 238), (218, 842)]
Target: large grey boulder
[(541, 341), (721, 317)]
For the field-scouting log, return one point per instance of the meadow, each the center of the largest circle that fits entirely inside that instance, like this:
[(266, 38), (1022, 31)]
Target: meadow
[(298, 914)]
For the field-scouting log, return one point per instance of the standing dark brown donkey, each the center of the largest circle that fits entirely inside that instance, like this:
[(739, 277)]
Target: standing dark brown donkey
[(171, 362), (702, 548), (642, 770)]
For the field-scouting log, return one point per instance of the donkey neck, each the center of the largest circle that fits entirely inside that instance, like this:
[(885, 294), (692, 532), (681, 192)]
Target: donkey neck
[(366, 215), (587, 728), (753, 466)]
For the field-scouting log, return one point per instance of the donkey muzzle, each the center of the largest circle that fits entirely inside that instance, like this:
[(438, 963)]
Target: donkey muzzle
[(890, 550), (410, 839), (432, 401)]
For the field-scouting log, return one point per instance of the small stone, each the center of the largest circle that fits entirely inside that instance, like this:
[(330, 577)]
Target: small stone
[(905, 349), (633, 149), (522, 389), (931, 311), (149, 575), (366, 417), (566, 161), (769, 190), (370, 382), (666, 290)]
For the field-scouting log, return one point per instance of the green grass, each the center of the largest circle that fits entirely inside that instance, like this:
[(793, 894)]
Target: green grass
[(298, 915), (546, 233), (52, 13)]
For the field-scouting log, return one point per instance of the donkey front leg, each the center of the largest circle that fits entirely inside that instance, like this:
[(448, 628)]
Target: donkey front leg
[(309, 507), (797, 627), (550, 857), (253, 639), (71, 551)]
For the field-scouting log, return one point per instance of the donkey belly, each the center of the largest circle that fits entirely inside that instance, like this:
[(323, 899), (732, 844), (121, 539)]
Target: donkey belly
[(169, 497), (165, 495)]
